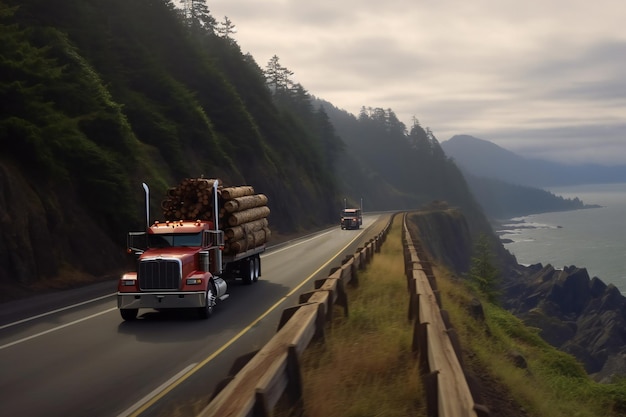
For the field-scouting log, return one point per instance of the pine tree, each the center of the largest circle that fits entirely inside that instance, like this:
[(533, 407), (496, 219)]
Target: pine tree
[(225, 29), (482, 272), (277, 76)]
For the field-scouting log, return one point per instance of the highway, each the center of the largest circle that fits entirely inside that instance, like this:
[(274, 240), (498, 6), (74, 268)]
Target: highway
[(71, 354)]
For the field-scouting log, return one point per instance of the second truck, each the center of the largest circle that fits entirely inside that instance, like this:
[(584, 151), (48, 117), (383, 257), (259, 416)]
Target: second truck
[(351, 218), (211, 234)]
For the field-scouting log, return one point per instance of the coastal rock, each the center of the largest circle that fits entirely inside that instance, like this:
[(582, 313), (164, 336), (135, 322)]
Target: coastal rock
[(579, 315)]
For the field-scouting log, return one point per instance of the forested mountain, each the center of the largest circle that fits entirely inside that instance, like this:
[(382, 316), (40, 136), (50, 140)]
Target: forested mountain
[(390, 168), (97, 97)]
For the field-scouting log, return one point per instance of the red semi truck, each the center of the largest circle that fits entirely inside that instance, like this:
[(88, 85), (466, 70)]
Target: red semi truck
[(186, 263)]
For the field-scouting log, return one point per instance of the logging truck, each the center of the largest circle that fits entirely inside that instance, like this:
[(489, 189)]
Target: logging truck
[(351, 218), (187, 263)]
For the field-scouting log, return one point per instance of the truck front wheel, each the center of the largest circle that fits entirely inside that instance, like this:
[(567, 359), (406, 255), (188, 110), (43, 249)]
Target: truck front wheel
[(129, 314), (211, 299)]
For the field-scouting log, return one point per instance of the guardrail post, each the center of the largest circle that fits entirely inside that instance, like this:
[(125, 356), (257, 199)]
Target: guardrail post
[(456, 345), (354, 279), (320, 322), (360, 256), (431, 279), (261, 407), (413, 301), (437, 295), (294, 376), (420, 345), (431, 387), (342, 297)]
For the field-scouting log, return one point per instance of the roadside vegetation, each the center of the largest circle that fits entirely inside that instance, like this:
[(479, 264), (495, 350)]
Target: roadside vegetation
[(365, 366)]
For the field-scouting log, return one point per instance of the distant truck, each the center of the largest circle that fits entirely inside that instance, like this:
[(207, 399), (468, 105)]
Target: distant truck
[(186, 263), (351, 218)]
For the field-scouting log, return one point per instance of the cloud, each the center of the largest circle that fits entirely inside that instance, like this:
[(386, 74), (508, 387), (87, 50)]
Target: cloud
[(532, 77)]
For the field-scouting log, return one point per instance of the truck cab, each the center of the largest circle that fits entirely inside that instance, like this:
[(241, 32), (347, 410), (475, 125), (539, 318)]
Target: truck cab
[(178, 266), (351, 218)]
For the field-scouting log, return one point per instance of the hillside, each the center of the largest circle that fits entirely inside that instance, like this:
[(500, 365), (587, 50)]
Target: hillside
[(102, 96), (98, 106), (394, 170)]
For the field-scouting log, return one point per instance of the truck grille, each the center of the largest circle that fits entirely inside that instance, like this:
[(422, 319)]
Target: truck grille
[(159, 274)]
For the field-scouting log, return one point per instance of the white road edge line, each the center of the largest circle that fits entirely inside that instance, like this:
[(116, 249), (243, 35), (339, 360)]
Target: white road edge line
[(56, 311), (56, 328), (157, 390)]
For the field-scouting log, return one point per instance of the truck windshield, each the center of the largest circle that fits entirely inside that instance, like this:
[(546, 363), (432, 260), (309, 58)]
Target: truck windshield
[(175, 239)]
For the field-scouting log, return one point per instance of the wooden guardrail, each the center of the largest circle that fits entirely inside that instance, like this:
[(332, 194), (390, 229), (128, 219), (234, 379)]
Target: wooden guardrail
[(435, 341), (273, 372)]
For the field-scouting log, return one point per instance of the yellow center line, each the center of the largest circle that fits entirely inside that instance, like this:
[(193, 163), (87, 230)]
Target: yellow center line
[(208, 359)]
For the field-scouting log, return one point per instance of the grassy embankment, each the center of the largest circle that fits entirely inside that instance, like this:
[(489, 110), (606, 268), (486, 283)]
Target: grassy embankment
[(365, 366)]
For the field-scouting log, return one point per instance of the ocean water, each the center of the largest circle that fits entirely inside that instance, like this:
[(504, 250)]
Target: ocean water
[(593, 238)]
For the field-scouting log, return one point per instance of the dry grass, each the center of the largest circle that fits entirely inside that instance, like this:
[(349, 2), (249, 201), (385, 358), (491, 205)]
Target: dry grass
[(365, 366)]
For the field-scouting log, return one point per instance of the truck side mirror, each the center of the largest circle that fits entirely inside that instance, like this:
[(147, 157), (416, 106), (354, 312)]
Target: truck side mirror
[(137, 242)]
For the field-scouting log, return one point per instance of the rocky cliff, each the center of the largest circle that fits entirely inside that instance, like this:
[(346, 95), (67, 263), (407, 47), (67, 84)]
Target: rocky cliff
[(580, 315)]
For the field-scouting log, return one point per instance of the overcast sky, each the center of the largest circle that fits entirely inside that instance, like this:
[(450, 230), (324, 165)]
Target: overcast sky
[(540, 78)]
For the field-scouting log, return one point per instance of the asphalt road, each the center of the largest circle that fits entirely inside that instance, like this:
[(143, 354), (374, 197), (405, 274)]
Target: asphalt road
[(71, 354)]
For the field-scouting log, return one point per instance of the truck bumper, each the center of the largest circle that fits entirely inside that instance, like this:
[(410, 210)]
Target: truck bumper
[(159, 300)]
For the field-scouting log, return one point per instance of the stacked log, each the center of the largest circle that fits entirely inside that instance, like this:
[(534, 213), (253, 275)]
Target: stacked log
[(242, 213), (191, 199), (245, 202)]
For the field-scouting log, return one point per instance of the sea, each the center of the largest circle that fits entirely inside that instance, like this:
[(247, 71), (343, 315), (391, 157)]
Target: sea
[(591, 238)]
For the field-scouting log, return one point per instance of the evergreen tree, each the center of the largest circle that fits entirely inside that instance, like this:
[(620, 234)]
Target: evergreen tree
[(483, 274), (198, 16), (278, 77), (225, 29)]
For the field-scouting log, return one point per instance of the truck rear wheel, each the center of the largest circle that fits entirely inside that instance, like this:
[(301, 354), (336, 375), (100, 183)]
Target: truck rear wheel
[(129, 314), (257, 268), (247, 271)]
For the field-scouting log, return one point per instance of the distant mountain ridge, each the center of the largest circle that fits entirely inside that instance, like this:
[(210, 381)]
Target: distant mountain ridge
[(507, 185), (486, 159)]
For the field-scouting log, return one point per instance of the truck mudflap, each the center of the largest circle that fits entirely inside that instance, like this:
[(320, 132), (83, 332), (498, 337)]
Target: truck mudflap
[(158, 300)]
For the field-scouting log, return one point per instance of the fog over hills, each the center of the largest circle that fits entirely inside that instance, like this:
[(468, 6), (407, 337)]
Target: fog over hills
[(486, 159)]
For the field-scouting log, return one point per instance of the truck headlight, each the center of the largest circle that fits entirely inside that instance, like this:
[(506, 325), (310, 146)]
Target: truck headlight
[(194, 281)]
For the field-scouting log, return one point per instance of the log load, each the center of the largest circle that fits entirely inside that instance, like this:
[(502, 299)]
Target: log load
[(242, 213), (246, 202)]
